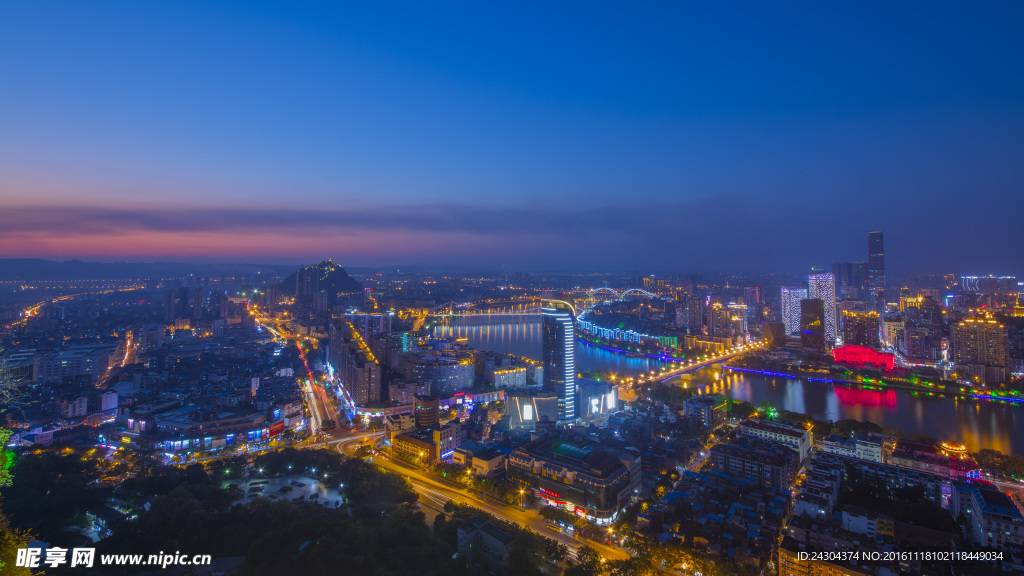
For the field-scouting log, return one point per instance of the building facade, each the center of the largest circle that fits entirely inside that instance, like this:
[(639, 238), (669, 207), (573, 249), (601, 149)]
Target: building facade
[(790, 299), (559, 356), (823, 287)]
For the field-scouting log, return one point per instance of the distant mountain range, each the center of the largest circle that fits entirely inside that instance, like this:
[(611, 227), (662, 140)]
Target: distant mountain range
[(39, 269)]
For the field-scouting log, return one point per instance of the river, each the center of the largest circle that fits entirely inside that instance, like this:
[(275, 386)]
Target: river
[(976, 424)]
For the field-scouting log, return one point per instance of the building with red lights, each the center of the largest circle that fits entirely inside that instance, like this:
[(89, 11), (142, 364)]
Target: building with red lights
[(863, 356)]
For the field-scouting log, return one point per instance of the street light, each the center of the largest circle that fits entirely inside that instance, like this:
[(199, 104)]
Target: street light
[(521, 492)]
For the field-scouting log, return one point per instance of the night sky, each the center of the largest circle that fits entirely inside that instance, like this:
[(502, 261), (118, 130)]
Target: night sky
[(727, 136)]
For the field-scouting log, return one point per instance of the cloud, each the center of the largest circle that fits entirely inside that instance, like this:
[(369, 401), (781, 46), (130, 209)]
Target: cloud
[(644, 232), (557, 218)]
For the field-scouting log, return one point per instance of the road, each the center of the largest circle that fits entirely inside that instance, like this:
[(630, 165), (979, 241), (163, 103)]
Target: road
[(319, 403), (434, 490)]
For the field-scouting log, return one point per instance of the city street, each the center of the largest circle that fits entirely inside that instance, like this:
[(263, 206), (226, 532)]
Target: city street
[(439, 491)]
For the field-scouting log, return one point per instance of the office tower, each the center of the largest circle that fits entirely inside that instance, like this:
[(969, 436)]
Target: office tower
[(876, 268), (790, 299), (354, 363), (170, 306), (823, 287), (197, 303), (860, 328), (851, 279), (559, 356), (773, 334), (752, 299), (695, 315), (812, 324), (981, 349), (719, 321)]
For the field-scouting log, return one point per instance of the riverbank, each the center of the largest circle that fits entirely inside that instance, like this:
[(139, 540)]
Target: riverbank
[(923, 389)]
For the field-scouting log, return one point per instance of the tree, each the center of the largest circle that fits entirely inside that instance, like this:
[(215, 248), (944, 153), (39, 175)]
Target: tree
[(630, 567), (768, 409), (588, 563), (553, 549)]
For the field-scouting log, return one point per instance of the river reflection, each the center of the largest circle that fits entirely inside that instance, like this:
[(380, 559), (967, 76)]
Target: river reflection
[(976, 424), (521, 335)]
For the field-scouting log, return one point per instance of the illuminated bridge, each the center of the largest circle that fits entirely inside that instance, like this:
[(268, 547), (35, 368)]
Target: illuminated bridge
[(521, 307)]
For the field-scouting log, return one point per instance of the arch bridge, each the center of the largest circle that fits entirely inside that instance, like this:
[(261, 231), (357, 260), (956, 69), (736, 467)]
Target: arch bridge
[(595, 294)]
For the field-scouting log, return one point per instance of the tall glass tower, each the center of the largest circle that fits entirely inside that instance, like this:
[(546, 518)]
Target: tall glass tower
[(559, 356), (823, 287), (876, 267)]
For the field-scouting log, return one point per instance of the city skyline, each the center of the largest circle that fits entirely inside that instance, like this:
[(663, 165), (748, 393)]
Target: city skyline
[(285, 135)]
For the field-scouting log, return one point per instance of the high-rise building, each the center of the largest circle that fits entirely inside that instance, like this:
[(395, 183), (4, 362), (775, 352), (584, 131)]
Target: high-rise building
[(860, 328), (790, 300), (981, 349), (752, 299), (170, 306), (851, 279), (354, 363), (773, 334), (695, 315), (823, 287), (876, 268), (812, 324), (891, 330), (709, 409), (559, 356)]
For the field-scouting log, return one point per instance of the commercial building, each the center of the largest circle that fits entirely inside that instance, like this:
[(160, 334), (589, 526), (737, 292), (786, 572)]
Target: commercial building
[(891, 330), (448, 371), (876, 269), (981, 349), (525, 410), (371, 325), (577, 476), (354, 363), (823, 287), (428, 444), (485, 461), (851, 279), (395, 424), (860, 328), (507, 376), (428, 411), (559, 356), (812, 324), (405, 391), (90, 361), (791, 434), (790, 299), (596, 400), (773, 334), (709, 409), (864, 356)]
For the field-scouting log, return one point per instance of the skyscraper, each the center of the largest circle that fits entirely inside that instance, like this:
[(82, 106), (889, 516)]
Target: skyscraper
[(981, 349), (876, 268), (790, 299), (851, 279), (823, 287), (812, 324), (860, 328), (559, 356)]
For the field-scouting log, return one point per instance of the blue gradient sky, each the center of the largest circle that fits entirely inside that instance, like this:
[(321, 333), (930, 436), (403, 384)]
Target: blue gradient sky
[(744, 136)]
